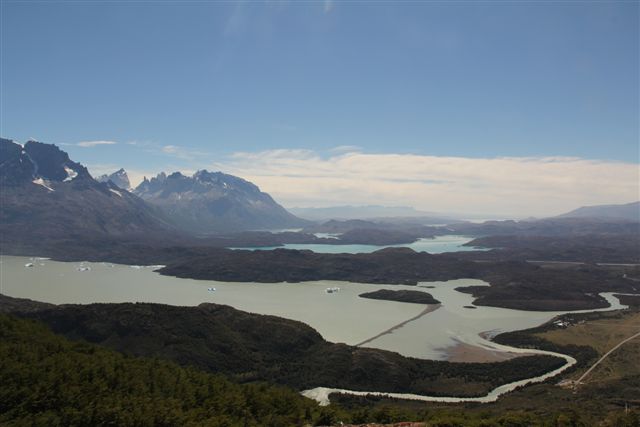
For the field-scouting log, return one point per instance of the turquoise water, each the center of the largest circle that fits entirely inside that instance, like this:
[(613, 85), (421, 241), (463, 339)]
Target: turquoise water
[(437, 245)]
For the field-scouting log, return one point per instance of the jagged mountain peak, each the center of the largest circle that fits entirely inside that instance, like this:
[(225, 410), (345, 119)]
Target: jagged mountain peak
[(119, 178), (201, 181), (37, 162), (176, 175), (225, 181), (48, 197)]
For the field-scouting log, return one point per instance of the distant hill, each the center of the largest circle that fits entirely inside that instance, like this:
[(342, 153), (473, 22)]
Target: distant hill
[(119, 178), (627, 212), (548, 227), (369, 212), (214, 202)]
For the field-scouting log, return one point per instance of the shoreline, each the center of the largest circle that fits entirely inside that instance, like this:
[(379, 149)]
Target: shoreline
[(463, 352)]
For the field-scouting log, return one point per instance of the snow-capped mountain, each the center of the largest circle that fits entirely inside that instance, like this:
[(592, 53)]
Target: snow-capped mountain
[(46, 195), (119, 178), (210, 202), (41, 164)]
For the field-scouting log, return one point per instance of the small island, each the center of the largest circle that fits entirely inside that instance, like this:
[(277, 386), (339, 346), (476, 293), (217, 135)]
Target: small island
[(416, 297)]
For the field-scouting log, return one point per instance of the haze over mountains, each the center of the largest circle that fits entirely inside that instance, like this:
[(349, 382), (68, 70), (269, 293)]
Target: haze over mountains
[(628, 212), (367, 212)]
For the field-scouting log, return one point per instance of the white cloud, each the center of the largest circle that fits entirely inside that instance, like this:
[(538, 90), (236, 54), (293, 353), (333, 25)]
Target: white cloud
[(514, 186), (183, 153), (87, 144)]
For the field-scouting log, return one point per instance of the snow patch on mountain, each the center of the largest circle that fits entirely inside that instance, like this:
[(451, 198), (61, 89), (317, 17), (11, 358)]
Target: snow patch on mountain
[(42, 182), (70, 174)]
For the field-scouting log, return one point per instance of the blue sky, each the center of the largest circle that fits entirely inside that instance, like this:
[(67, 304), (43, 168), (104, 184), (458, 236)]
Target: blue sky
[(186, 84)]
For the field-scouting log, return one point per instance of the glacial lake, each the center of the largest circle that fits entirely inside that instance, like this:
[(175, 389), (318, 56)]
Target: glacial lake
[(437, 245), (340, 317)]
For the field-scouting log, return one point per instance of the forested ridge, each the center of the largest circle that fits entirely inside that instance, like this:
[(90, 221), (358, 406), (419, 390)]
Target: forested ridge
[(48, 380), (249, 347)]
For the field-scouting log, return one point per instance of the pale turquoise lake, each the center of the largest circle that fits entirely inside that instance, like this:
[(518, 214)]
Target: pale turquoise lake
[(340, 317), (437, 245)]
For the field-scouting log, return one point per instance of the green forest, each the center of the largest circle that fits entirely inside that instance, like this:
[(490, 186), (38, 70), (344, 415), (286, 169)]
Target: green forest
[(48, 380)]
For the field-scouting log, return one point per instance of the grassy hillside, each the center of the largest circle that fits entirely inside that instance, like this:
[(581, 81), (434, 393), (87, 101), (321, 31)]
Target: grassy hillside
[(602, 334)]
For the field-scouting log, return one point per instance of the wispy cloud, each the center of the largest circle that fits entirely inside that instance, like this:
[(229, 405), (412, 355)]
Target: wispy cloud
[(235, 21), (519, 186), (170, 149), (284, 127), (140, 143), (346, 149), (88, 144), (183, 153), (155, 148), (328, 6)]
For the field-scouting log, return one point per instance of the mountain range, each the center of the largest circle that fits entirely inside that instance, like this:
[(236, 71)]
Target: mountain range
[(47, 196), (209, 202)]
